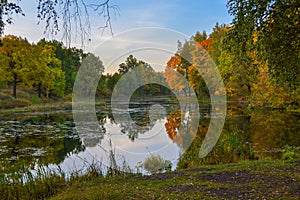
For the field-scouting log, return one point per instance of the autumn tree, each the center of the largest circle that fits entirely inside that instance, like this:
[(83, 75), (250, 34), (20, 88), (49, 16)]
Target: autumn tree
[(182, 64), (177, 69), (276, 24), (14, 62), (70, 58), (46, 73), (174, 78), (202, 62)]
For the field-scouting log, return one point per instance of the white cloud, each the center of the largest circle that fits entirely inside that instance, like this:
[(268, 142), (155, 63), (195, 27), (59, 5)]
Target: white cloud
[(152, 45)]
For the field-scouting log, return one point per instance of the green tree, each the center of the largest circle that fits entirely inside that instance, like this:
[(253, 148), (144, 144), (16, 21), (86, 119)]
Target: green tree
[(276, 23), (199, 37), (112, 81), (130, 63), (217, 44), (31, 66), (46, 71), (92, 70), (70, 58), (239, 63)]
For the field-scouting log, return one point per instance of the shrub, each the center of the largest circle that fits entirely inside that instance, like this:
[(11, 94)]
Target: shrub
[(156, 163), (291, 152)]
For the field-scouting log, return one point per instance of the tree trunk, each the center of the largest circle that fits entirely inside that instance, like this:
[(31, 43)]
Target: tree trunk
[(39, 90), (249, 88), (185, 94), (15, 86)]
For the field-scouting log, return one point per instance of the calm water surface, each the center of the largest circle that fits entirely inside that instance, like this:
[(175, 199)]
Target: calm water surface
[(51, 138)]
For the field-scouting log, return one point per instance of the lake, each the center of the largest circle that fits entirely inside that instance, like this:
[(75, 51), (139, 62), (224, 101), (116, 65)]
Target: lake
[(51, 138)]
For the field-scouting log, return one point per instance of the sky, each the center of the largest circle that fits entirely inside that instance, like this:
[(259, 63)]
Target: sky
[(178, 18)]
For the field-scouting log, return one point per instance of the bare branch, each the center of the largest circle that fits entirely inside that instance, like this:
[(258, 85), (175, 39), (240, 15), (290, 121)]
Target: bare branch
[(7, 9), (76, 17), (104, 10)]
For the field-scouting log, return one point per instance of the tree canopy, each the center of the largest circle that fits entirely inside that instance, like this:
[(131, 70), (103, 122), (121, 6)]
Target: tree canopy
[(271, 27)]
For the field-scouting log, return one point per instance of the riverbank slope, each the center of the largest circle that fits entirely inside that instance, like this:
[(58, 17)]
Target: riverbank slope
[(265, 179)]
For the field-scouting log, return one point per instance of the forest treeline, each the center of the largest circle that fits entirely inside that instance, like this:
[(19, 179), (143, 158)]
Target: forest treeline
[(257, 57)]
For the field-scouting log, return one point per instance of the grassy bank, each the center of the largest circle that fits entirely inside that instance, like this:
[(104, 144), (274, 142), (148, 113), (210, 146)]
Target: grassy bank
[(245, 180), (26, 102), (264, 179)]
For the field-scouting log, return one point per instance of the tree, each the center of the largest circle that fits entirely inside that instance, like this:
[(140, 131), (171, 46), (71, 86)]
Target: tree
[(14, 63), (276, 23), (198, 46), (141, 74), (91, 71), (31, 66), (175, 75), (46, 73), (130, 63), (74, 14), (199, 37), (239, 62), (217, 41), (201, 66), (70, 58), (266, 93)]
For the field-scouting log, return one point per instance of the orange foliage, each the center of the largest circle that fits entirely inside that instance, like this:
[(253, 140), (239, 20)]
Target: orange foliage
[(174, 62), (172, 124), (206, 44), (174, 79)]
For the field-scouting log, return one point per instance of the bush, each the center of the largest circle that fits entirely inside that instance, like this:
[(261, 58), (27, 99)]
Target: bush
[(231, 147), (290, 153), (35, 99), (156, 163)]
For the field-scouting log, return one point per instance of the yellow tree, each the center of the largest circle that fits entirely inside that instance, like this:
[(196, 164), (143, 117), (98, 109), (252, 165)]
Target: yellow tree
[(13, 60), (267, 93), (46, 73)]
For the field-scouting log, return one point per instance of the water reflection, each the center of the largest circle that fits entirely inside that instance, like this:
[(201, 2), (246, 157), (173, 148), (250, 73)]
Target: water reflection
[(144, 133), (272, 130), (51, 138), (43, 138)]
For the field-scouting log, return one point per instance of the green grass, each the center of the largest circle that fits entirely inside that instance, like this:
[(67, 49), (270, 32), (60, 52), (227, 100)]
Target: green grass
[(252, 179), (27, 102), (44, 107), (269, 179), (8, 102)]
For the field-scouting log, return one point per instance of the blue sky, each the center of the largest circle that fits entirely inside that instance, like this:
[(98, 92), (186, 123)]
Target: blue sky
[(183, 16), (186, 16)]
